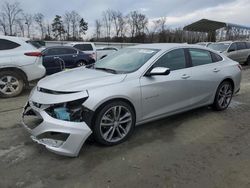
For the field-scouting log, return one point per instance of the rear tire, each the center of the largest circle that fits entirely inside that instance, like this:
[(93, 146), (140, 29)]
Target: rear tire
[(223, 96), (11, 84), (114, 123), (248, 61)]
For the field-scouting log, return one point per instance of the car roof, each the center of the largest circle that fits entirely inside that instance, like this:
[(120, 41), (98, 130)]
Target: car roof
[(74, 43), (13, 38), (167, 46), (70, 47)]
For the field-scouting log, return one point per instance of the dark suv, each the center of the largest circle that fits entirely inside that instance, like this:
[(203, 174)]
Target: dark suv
[(58, 58)]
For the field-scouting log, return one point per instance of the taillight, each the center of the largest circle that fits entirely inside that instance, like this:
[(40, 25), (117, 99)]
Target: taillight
[(239, 66), (35, 54), (93, 56)]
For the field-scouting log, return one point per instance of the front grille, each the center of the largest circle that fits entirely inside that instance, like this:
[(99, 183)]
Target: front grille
[(48, 91)]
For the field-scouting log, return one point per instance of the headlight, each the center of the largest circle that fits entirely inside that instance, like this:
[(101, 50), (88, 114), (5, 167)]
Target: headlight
[(68, 111)]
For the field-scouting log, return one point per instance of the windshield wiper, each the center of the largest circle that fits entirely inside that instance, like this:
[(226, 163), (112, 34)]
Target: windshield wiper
[(106, 69)]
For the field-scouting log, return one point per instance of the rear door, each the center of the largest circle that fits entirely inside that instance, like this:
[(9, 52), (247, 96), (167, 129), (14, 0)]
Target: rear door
[(205, 75), (233, 53), (7, 52), (52, 61), (242, 51), (167, 94), (69, 56)]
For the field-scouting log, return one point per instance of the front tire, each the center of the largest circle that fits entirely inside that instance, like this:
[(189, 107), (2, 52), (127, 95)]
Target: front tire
[(11, 84), (114, 123), (223, 96), (81, 63)]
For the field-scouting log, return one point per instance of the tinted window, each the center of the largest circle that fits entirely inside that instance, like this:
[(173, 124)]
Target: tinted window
[(248, 45), (60, 51), (7, 45), (70, 51), (84, 47), (173, 60), (200, 57), (232, 48), (241, 45), (216, 57)]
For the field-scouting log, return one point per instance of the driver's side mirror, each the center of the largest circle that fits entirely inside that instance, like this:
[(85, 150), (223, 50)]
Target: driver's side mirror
[(157, 71)]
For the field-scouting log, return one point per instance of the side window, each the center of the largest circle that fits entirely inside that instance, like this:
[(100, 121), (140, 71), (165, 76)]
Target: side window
[(84, 47), (241, 45), (7, 45), (216, 57), (56, 51), (200, 57), (248, 45), (173, 60), (232, 48), (70, 51)]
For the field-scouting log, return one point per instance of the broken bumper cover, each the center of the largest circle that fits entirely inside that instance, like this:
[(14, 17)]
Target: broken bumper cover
[(77, 132)]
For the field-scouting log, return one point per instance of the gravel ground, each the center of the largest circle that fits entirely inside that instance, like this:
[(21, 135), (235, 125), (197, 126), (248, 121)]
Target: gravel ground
[(200, 148)]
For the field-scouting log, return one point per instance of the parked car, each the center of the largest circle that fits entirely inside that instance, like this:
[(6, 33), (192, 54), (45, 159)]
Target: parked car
[(86, 47), (20, 63), (133, 86), (238, 51), (205, 44), (104, 51), (58, 58)]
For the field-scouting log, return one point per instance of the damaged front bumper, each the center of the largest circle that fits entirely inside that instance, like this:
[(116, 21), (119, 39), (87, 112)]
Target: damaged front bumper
[(59, 136)]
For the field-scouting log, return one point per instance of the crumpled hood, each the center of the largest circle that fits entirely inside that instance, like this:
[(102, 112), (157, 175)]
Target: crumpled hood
[(79, 79)]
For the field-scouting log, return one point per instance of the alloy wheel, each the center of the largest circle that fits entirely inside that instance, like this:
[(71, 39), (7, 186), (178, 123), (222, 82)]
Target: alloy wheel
[(225, 95), (115, 124), (9, 85)]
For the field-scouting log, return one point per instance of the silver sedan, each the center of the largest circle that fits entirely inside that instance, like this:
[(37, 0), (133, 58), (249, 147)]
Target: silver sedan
[(130, 87)]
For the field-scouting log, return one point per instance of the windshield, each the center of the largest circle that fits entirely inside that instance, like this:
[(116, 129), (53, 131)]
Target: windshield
[(221, 47), (125, 60)]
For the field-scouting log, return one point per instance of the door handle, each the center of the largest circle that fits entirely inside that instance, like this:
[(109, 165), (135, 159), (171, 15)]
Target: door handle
[(56, 57), (185, 76), (74, 55), (216, 70)]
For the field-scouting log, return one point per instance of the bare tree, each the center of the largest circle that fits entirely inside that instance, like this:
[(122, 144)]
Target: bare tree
[(20, 24), (3, 23), (67, 21), (39, 19), (116, 15), (11, 13), (98, 26), (137, 23), (28, 18), (107, 22), (75, 19)]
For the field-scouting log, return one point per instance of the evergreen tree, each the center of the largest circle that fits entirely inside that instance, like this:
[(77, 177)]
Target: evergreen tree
[(57, 27), (83, 26)]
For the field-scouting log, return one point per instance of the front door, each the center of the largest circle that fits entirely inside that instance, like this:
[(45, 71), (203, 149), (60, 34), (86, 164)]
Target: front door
[(166, 94)]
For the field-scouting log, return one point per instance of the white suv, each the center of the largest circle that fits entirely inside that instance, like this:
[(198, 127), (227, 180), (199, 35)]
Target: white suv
[(86, 47), (20, 62)]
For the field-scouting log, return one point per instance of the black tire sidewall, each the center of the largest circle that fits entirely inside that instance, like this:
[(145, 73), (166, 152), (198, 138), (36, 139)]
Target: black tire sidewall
[(81, 61), (100, 113), (216, 103), (18, 77)]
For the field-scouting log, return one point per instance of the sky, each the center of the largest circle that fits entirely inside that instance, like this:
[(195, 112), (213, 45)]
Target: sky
[(178, 12)]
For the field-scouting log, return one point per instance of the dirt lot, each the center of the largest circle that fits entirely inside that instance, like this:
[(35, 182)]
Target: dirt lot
[(201, 148)]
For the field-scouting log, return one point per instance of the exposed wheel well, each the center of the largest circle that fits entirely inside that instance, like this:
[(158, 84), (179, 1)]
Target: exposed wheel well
[(19, 71), (109, 101)]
